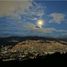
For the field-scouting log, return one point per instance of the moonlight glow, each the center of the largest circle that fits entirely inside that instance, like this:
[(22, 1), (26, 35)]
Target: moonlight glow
[(40, 23)]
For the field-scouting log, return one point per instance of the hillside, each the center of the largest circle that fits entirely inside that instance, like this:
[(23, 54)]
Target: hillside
[(30, 47)]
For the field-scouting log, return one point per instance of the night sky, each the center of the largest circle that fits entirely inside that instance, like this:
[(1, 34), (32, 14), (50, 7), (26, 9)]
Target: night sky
[(33, 18)]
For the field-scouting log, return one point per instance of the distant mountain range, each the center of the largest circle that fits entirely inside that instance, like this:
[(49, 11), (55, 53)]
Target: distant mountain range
[(33, 37), (16, 39)]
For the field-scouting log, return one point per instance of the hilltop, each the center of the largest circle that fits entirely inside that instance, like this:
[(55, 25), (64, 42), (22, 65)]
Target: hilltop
[(22, 48)]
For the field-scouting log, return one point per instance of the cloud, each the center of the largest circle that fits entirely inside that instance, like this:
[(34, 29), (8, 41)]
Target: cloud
[(29, 26), (65, 34), (57, 18), (57, 30), (45, 30), (33, 27), (34, 12), (29, 9), (64, 31), (13, 0), (13, 8)]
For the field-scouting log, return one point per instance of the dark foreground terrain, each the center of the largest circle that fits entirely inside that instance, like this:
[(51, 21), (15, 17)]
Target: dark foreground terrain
[(33, 50), (53, 58), (47, 60)]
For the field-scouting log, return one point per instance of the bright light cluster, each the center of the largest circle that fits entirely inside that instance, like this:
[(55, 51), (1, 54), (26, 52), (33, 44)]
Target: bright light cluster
[(40, 23)]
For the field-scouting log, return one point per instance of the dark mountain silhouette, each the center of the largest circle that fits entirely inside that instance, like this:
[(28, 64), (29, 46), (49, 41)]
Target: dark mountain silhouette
[(15, 39)]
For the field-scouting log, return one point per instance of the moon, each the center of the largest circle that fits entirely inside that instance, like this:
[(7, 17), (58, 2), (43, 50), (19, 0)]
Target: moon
[(40, 23)]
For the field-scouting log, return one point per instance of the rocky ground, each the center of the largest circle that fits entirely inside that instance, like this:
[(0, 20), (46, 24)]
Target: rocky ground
[(30, 49)]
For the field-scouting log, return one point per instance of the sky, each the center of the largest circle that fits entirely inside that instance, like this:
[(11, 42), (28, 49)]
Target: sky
[(33, 18)]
